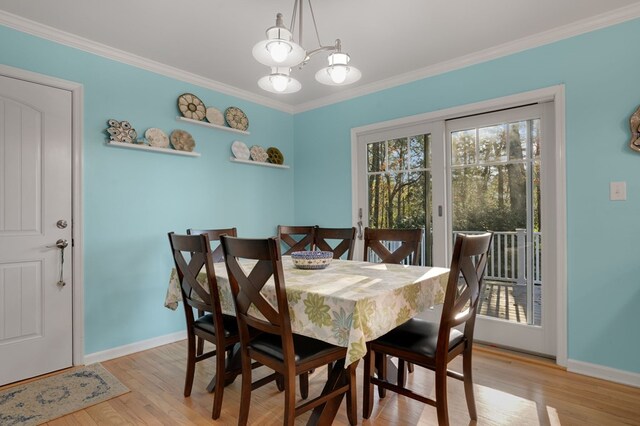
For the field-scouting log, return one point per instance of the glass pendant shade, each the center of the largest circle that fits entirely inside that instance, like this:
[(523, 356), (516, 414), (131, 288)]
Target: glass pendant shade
[(279, 81), (279, 49), (338, 73)]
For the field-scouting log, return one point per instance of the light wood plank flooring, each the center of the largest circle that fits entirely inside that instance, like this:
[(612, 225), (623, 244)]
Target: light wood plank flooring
[(509, 391)]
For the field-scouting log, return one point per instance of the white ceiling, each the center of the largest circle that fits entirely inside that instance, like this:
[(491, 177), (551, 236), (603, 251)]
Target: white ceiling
[(213, 39)]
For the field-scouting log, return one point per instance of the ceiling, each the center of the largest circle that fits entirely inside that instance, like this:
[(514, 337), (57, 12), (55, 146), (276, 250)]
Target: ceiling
[(386, 39)]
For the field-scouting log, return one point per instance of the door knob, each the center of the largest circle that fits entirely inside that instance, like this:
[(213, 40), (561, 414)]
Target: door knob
[(61, 244)]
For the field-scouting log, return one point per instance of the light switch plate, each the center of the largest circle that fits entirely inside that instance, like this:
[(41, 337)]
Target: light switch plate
[(618, 191)]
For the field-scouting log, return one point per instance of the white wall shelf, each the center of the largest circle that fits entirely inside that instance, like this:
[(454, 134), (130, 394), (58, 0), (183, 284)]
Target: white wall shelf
[(259, 163), (211, 125), (153, 149)]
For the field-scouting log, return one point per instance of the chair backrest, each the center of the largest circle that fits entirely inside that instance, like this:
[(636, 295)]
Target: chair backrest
[(468, 265), (409, 247), (346, 237), (194, 295), (246, 289), (214, 238), (296, 238)]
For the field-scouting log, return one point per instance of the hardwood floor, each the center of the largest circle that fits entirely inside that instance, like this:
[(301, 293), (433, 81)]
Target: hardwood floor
[(509, 391)]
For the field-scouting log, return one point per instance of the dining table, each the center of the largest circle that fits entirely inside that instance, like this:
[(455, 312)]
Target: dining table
[(346, 304)]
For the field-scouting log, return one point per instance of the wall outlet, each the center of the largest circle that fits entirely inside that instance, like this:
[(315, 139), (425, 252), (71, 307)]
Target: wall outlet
[(618, 191)]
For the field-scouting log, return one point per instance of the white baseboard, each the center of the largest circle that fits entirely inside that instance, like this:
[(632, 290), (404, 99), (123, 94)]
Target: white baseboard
[(605, 373), (131, 348)]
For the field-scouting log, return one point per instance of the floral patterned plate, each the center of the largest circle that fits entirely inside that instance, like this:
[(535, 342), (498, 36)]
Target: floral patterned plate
[(236, 118)]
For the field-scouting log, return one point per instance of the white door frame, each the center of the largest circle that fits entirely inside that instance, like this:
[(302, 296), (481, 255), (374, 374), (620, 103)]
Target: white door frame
[(553, 93), (76, 90)]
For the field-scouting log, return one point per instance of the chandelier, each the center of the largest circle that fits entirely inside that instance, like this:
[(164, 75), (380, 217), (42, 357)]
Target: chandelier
[(281, 53)]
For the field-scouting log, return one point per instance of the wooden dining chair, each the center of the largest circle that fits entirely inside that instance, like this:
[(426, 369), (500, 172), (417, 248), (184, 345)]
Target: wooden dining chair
[(296, 238), (407, 251), (191, 253), (269, 340), (337, 240), (432, 345), (214, 240)]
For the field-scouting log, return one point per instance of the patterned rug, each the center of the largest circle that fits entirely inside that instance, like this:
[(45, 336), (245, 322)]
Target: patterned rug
[(52, 397)]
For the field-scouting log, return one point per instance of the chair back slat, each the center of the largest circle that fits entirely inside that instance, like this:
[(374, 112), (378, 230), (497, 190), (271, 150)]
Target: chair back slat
[(345, 236), (409, 248), (468, 265), (296, 238), (214, 239), (246, 287)]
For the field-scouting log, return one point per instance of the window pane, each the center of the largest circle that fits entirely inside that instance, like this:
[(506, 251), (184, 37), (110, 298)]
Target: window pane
[(492, 146), (420, 152), (376, 157), (489, 197), (518, 140), (398, 152), (463, 147), (535, 137)]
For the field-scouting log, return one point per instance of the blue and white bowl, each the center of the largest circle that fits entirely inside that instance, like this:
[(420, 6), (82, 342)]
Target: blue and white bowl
[(311, 259)]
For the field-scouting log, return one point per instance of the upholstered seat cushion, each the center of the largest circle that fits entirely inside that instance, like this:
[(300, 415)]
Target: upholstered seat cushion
[(305, 348), (418, 336), (229, 324)]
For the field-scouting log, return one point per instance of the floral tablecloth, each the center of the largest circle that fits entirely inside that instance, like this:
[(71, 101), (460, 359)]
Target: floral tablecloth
[(347, 304)]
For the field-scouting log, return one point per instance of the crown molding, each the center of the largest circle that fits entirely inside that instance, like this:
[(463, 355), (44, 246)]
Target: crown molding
[(44, 31), (583, 26)]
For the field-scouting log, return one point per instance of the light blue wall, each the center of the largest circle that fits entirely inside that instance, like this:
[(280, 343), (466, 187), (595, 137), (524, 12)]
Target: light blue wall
[(133, 198), (600, 71)]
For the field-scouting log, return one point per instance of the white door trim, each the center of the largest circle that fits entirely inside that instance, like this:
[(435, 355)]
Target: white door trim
[(553, 93), (76, 90)]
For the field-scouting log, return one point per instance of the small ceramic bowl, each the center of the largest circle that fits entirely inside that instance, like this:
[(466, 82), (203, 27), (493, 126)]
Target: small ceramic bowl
[(311, 259)]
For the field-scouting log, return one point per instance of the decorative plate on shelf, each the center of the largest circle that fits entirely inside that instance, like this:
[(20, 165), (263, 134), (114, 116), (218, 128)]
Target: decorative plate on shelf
[(182, 140), (236, 118), (156, 138), (259, 154), (214, 116), (121, 131), (191, 106), (240, 150), (275, 156)]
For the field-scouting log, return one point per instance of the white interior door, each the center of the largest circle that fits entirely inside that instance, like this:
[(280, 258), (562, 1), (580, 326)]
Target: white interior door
[(35, 193)]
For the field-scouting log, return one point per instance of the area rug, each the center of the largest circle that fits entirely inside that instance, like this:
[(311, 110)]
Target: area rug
[(45, 399)]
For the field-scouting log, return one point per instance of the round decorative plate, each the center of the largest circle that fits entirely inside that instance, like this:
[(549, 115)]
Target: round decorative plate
[(214, 116), (157, 138), (121, 131), (236, 118), (191, 106), (259, 154), (275, 156), (240, 150), (182, 140)]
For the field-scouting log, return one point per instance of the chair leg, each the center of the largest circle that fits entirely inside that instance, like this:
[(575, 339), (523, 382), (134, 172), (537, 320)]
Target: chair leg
[(191, 364), (381, 367), (289, 399), (367, 388), (304, 385), (245, 400), (352, 395), (441, 394), (410, 367), (468, 383), (402, 372), (219, 390)]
